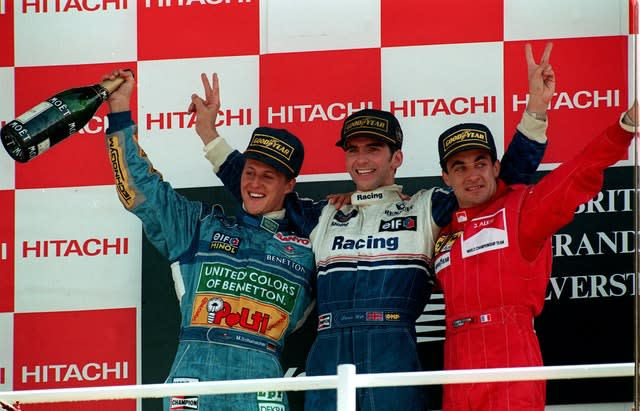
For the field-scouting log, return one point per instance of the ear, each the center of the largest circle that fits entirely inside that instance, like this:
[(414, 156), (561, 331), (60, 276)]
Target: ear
[(445, 178), (288, 188), (396, 159), (496, 168)]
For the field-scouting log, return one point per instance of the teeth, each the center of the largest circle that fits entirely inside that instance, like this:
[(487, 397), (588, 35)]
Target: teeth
[(256, 195), (365, 171)]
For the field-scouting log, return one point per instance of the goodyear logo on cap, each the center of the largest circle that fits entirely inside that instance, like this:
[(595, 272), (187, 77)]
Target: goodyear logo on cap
[(366, 122), (265, 143), (466, 136)]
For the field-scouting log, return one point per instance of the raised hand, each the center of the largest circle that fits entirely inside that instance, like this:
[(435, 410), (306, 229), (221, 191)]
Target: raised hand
[(542, 80), (206, 109), (120, 99)]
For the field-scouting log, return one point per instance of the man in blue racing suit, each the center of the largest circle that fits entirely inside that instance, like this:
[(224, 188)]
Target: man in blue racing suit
[(374, 256), (243, 283)]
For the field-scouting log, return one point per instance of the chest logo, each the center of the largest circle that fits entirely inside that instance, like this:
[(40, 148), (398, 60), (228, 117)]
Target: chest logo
[(408, 223), (485, 233), (224, 242)]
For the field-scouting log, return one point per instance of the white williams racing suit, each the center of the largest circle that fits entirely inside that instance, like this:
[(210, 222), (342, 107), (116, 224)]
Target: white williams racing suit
[(373, 279)]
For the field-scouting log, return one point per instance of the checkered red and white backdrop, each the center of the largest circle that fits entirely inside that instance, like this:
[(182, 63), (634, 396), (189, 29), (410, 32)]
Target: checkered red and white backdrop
[(70, 256)]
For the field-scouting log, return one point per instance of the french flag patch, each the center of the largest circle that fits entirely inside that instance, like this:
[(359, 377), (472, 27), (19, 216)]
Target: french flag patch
[(485, 318)]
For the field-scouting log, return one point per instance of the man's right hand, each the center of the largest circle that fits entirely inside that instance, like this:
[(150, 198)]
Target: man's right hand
[(120, 99), (206, 109)]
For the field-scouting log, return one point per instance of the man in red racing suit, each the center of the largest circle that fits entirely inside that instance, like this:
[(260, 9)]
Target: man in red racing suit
[(493, 261)]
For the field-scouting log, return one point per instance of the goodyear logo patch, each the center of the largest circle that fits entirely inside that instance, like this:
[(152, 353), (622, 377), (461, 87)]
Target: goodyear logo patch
[(465, 136), (367, 123), (224, 242), (263, 142)]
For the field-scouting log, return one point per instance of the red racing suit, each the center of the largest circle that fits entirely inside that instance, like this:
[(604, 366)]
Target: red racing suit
[(493, 263)]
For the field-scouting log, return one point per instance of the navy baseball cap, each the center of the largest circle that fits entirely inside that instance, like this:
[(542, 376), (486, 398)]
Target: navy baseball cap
[(378, 124), (278, 148), (462, 137)]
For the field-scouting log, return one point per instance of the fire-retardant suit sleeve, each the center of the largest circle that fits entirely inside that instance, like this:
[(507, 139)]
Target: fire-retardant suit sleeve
[(550, 204), (170, 221)]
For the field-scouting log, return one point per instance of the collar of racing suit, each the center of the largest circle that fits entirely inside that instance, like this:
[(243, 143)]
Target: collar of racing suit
[(381, 194), (272, 222)]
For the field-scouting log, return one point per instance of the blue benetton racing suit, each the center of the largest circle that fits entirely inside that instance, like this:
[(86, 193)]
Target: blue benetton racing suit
[(243, 284), (373, 260)]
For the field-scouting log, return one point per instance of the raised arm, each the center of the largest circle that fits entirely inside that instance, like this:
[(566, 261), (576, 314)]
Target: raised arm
[(169, 220), (525, 152), (228, 163)]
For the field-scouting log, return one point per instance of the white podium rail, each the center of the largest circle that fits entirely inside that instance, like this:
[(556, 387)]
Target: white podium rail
[(346, 381)]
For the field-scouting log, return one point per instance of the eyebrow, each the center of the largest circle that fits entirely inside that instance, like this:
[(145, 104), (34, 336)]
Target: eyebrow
[(371, 144), (479, 157)]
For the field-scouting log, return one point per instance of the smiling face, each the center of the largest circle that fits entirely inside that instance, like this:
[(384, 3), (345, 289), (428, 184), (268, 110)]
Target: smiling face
[(371, 163), (472, 176), (263, 187)]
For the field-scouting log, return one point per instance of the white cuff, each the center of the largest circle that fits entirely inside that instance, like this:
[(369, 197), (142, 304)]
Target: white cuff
[(625, 126), (533, 128), (217, 151)]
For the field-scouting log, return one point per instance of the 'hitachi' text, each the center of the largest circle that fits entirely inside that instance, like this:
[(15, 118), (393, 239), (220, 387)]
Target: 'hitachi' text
[(92, 371), (578, 100), (64, 6), (169, 3), (430, 107), (341, 243), (306, 113), (183, 119), (76, 248)]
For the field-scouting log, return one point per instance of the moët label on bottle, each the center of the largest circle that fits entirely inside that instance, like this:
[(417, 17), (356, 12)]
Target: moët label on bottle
[(25, 117)]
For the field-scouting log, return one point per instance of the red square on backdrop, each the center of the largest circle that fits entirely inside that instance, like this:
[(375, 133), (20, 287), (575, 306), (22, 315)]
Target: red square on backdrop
[(6, 33), (75, 349), (169, 29), (81, 159), (419, 22), (311, 93), (591, 89), (7, 231)]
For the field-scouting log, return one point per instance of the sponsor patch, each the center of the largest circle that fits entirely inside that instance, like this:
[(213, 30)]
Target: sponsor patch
[(270, 401), (289, 238), (375, 316), (392, 316), (179, 402), (408, 223), (486, 233), (268, 225), (401, 207), (116, 155), (367, 123), (324, 321), (445, 242), (223, 242), (376, 195), (342, 217), (442, 261), (285, 262), (369, 243)]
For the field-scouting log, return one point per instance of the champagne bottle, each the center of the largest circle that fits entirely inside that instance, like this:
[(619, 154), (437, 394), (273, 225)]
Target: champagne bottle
[(53, 120)]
